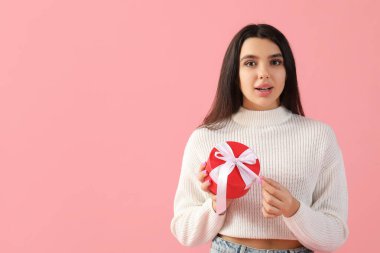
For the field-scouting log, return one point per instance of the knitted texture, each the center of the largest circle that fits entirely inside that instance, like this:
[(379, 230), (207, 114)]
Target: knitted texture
[(300, 153)]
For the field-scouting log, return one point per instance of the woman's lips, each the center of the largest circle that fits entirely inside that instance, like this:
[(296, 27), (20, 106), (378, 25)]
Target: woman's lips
[(263, 93)]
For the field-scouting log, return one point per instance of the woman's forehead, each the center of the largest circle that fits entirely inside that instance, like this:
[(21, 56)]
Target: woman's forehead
[(259, 48)]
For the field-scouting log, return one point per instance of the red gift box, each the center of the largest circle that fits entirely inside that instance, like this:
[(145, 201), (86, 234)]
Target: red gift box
[(236, 187)]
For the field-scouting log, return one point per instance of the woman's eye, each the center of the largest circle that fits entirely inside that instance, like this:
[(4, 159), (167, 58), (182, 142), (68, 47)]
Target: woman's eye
[(253, 63), (249, 63), (277, 62)]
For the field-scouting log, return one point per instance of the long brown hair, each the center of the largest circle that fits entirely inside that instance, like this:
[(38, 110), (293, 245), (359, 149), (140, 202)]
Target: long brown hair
[(229, 97)]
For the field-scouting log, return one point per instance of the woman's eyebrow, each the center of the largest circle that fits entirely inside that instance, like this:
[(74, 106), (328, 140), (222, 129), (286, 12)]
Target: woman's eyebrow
[(254, 56)]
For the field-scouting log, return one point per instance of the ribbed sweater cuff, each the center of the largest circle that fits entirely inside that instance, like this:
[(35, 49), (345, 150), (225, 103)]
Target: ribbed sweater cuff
[(298, 222), (200, 226)]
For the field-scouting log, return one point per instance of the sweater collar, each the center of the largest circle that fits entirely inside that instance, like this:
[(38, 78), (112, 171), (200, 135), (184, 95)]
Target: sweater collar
[(246, 117)]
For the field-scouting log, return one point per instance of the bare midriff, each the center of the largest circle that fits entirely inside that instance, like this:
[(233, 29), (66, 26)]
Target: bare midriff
[(264, 243)]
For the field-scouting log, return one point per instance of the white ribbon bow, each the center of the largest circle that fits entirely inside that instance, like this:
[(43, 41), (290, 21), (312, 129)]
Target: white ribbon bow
[(220, 173)]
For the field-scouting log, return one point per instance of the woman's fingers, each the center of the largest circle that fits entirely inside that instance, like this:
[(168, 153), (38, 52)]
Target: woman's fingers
[(201, 175), (266, 214), (205, 185), (202, 166), (271, 210), (270, 199), (273, 188), (202, 172)]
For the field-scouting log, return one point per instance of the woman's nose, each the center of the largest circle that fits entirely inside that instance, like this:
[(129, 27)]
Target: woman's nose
[(263, 75)]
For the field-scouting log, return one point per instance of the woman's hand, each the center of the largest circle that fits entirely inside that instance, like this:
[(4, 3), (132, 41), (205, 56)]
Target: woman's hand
[(277, 200), (206, 183)]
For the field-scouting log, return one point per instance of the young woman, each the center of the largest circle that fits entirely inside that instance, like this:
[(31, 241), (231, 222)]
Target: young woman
[(302, 201)]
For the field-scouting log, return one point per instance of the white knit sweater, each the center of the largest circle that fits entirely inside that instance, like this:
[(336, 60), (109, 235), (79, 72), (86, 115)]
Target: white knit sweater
[(300, 153)]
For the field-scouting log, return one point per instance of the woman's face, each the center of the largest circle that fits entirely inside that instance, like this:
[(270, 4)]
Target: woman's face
[(261, 66)]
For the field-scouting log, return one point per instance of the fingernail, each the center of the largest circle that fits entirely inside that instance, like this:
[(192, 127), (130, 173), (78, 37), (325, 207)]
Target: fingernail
[(204, 163), (204, 172)]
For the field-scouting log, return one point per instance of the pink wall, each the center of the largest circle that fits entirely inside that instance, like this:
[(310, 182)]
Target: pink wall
[(98, 98)]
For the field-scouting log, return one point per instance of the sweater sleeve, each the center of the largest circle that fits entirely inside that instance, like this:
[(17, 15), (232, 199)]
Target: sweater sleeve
[(323, 226), (195, 221)]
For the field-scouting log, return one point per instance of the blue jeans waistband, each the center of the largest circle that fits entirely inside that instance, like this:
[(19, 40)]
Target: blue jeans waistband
[(220, 245)]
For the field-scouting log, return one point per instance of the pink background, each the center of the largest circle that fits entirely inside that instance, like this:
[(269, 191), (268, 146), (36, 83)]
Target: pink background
[(98, 98)]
